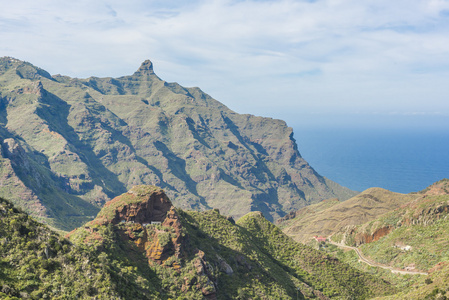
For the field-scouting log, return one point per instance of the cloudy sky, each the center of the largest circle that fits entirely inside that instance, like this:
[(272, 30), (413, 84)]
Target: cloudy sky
[(316, 62)]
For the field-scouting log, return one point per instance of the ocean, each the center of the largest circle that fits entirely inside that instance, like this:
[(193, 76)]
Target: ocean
[(401, 161)]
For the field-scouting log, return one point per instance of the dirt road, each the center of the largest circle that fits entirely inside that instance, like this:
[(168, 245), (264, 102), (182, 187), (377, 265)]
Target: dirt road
[(374, 264)]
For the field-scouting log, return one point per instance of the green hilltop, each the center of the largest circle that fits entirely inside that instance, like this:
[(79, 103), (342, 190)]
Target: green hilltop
[(69, 145), (38, 263)]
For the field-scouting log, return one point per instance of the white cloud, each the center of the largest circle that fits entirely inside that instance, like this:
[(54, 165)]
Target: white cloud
[(324, 56)]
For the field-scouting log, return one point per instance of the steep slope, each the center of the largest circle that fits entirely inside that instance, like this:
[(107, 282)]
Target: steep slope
[(331, 216), (206, 255), (69, 145)]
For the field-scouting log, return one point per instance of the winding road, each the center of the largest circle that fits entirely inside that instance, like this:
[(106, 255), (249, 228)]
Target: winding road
[(374, 264)]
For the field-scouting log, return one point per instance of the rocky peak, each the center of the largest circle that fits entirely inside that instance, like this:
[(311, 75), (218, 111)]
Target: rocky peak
[(146, 68), (145, 217), (142, 204)]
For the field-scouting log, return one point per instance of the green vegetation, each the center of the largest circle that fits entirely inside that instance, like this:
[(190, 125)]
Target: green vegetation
[(252, 259), (37, 263), (419, 238), (69, 145), (209, 255), (330, 276), (416, 239)]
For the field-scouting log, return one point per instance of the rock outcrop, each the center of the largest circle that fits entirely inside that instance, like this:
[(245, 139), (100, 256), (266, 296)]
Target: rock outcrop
[(142, 204), (145, 218), (364, 238)]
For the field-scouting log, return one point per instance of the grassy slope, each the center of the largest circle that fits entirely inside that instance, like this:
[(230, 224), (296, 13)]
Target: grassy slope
[(436, 286), (332, 277), (278, 262), (428, 239)]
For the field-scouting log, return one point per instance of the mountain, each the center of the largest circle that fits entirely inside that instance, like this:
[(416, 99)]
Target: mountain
[(69, 145), (198, 255), (331, 216)]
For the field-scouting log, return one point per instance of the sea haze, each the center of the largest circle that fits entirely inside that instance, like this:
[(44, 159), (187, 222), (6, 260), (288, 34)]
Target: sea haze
[(401, 161)]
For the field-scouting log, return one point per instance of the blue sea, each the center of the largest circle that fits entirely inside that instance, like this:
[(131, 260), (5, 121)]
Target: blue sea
[(399, 160)]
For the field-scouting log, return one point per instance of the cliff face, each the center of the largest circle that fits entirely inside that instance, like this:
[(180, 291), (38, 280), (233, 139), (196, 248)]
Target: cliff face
[(141, 204), (145, 216), (86, 141), (364, 238)]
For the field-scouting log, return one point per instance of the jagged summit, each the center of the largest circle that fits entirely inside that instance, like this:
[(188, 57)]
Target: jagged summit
[(146, 68)]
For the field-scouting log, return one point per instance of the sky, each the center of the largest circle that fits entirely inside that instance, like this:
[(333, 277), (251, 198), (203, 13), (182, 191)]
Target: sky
[(330, 63)]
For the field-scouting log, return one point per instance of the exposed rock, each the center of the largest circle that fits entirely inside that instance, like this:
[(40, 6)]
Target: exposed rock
[(142, 204), (16, 153), (365, 238), (426, 215), (146, 68), (224, 266)]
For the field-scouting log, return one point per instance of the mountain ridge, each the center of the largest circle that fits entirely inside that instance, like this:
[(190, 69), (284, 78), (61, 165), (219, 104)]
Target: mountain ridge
[(80, 142)]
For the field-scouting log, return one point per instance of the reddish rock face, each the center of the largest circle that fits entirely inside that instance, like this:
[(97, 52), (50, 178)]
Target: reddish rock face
[(364, 238), (140, 207), (145, 218), (151, 208)]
